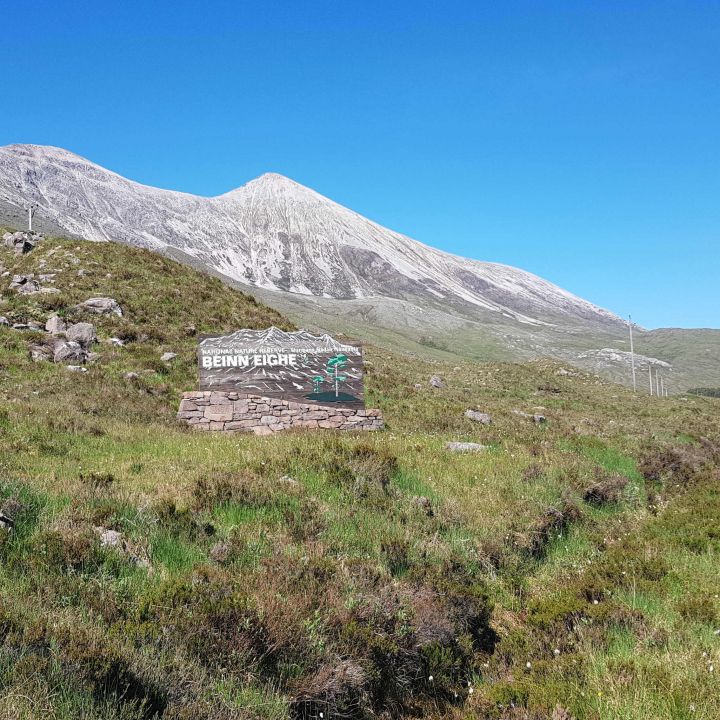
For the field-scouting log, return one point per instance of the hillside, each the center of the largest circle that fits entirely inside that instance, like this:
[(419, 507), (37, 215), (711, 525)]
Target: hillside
[(322, 263), (569, 568)]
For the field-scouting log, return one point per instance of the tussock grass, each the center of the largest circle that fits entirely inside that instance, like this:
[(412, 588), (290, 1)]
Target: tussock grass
[(307, 572)]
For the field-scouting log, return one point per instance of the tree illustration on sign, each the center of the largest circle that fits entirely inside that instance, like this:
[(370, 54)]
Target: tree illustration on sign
[(335, 365), (318, 380)]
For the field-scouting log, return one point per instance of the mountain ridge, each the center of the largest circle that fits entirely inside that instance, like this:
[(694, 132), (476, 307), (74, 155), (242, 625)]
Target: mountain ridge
[(329, 268), (349, 250)]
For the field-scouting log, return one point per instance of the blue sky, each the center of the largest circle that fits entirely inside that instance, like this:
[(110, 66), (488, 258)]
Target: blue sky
[(577, 140)]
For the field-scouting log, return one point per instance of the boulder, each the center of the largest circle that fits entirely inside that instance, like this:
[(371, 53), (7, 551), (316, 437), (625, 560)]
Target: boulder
[(168, 356), (55, 325), (21, 242), (69, 351), (4, 320), (82, 333), (537, 419), (76, 368), (465, 447), (437, 382), (25, 284), (131, 376), (40, 352), (101, 306), (480, 417)]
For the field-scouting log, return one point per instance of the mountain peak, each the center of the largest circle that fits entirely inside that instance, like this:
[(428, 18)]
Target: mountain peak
[(274, 185)]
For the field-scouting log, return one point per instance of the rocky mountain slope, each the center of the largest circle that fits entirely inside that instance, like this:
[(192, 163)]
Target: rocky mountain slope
[(324, 264)]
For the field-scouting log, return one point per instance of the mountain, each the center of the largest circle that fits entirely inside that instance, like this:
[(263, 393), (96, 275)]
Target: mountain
[(325, 265)]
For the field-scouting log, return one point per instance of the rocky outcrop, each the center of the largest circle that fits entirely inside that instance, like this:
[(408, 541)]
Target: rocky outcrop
[(480, 417), (465, 447), (69, 351), (21, 242), (101, 306), (24, 284), (239, 412), (55, 325), (82, 333)]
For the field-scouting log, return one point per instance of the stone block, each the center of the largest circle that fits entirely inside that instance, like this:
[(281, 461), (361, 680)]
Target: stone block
[(243, 425), (219, 413), (316, 415)]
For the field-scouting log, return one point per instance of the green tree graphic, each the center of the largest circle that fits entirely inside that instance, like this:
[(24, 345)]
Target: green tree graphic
[(334, 365), (318, 380)]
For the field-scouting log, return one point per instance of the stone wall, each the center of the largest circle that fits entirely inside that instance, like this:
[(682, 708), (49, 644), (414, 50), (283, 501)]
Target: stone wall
[(239, 412)]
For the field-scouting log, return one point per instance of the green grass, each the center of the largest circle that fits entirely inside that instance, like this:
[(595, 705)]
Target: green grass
[(352, 566)]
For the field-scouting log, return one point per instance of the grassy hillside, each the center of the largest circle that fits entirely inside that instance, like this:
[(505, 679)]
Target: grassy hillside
[(570, 569)]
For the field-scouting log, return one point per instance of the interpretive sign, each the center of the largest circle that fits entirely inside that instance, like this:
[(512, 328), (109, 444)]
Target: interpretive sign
[(296, 366)]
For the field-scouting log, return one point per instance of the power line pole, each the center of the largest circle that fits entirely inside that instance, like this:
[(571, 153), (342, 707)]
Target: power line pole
[(650, 374), (30, 214), (632, 353), (662, 386)]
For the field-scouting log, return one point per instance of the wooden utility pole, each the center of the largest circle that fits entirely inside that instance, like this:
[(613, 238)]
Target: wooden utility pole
[(632, 353), (650, 374)]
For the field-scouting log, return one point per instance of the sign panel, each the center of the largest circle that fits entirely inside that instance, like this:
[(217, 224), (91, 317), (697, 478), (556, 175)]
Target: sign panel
[(296, 366)]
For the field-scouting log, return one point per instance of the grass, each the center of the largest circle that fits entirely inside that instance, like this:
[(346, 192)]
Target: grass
[(322, 572)]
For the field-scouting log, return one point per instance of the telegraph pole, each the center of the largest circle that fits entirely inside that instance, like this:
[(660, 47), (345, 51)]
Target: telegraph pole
[(30, 214), (632, 353), (662, 386), (650, 375)]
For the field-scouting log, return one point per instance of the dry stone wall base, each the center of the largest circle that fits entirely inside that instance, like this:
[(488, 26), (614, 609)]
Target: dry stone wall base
[(239, 412)]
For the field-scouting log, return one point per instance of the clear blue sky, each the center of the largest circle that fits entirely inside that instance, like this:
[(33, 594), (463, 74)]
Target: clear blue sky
[(577, 140)]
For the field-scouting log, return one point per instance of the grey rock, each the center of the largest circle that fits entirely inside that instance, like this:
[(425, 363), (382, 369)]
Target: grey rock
[(25, 284), (55, 325), (101, 306), (40, 353), (539, 419), (117, 342), (465, 447), (76, 368), (69, 351), (82, 333), (436, 382), (21, 242), (110, 538), (480, 417), (4, 320), (168, 356), (131, 376)]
